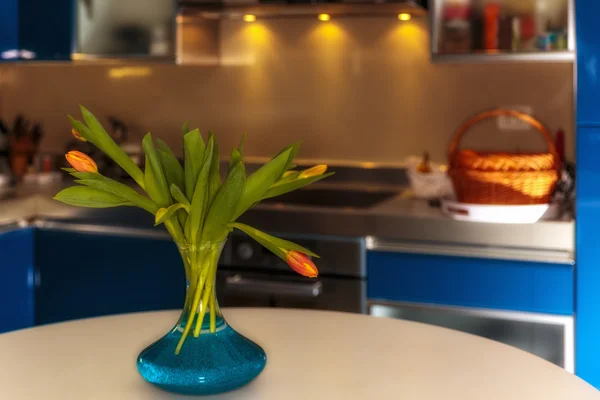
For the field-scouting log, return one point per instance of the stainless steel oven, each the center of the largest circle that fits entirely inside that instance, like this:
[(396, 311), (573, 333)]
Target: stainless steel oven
[(251, 276)]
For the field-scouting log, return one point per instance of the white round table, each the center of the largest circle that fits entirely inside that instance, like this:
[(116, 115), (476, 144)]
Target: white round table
[(311, 355)]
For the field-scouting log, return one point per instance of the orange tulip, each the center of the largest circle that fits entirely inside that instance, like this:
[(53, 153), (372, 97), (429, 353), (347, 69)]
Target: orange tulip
[(313, 171), (81, 162), (300, 263), (78, 135)]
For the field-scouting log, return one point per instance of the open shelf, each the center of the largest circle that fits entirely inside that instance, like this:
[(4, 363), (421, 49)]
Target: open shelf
[(465, 31)]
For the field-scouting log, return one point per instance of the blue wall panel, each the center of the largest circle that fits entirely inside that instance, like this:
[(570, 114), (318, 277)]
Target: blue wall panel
[(471, 282), (588, 62), (587, 322), (587, 301)]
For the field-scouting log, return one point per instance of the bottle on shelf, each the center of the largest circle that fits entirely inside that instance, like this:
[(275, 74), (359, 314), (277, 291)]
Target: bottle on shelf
[(491, 16), (456, 28)]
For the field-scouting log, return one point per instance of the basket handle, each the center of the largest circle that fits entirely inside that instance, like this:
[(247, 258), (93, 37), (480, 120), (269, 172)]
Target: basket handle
[(460, 132)]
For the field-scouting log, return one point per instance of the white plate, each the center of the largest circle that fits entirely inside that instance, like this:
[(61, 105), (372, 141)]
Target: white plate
[(526, 214)]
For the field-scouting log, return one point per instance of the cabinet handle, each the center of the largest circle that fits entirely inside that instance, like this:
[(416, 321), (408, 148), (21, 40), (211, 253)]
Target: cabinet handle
[(237, 282)]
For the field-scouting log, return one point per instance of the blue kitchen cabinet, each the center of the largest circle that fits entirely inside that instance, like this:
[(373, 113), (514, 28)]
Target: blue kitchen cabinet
[(9, 27), (85, 275), (470, 282), (17, 283), (36, 29)]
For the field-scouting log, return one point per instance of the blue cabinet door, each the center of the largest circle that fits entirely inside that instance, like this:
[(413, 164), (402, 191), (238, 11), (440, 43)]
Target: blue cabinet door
[(16, 284), (86, 275), (47, 28), (470, 282), (36, 29), (9, 28)]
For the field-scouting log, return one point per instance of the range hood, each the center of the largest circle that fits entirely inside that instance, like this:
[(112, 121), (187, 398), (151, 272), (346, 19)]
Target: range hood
[(295, 8), (199, 22)]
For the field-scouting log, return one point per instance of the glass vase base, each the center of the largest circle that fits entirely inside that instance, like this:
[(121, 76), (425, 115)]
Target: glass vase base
[(211, 363)]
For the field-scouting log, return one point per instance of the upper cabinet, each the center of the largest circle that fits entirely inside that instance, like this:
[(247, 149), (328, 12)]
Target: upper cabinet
[(63, 30), (125, 29), (36, 30), (502, 30)]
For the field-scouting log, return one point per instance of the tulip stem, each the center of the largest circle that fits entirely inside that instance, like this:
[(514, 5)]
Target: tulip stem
[(213, 312), (202, 270), (211, 270), (190, 320)]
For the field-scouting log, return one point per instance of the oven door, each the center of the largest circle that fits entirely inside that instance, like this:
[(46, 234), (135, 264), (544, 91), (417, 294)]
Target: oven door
[(243, 288)]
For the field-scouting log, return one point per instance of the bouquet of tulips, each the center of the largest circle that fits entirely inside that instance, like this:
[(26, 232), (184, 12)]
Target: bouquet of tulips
[(198, 209)]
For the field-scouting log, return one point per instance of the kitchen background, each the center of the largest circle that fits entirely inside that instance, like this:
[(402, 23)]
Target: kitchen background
[(363, 91), (355, 90)]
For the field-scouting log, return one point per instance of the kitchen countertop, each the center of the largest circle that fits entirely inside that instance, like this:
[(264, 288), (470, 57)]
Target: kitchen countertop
[(400, 223)]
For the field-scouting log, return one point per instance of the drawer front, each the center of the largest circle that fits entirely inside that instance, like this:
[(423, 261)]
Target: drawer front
[(471, 282)]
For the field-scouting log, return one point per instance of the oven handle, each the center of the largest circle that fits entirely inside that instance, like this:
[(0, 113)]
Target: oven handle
[(238, 282)]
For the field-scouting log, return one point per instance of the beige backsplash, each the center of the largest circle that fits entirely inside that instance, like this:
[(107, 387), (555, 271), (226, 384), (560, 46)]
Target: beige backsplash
[(354, 90)]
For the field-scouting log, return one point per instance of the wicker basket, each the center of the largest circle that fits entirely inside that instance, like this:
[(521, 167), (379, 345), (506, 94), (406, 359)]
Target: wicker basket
[(503, 178)]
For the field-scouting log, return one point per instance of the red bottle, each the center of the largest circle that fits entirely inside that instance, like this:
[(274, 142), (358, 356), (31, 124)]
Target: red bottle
[(491, 25)]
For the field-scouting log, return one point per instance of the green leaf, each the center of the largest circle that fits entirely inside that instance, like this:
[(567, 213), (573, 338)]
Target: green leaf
[(260, 181), (291, 175), (287, 186), (98, 136), (224, 206), (83, 196), (97, 181), (293, 150), (164, 214), (236, 154), (156, 183), (193, 148), (214, 179), (179, 195), (199, 206), (235, 157), (185, 128), (69, 170), (82, 130), (275, 245), (241, 146), (171, 166)]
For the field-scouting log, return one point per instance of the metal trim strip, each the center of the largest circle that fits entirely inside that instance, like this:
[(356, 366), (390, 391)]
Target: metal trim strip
[(500, 253)]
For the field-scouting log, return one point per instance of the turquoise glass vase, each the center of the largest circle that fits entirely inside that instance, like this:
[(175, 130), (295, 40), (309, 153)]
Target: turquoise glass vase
[(202, 354)]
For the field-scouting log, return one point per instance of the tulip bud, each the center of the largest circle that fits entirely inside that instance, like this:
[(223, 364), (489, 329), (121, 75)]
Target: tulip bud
[(300, 263), (78, 135), (313, 171), (81, 162)]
